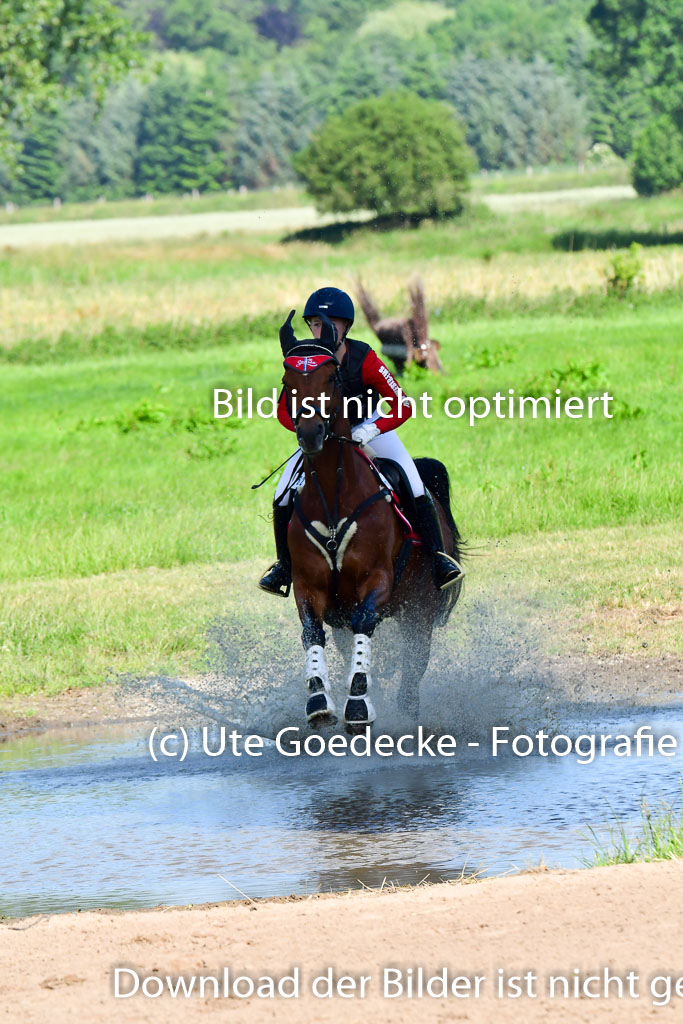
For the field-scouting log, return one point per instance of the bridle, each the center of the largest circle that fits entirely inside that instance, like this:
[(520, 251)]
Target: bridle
[(335, 531), (315, 409)]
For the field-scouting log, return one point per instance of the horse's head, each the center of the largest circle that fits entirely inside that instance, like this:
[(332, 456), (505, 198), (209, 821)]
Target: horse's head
[(314, 394)]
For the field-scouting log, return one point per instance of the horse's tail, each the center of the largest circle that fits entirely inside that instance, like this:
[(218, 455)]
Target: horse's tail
[(434, 475)]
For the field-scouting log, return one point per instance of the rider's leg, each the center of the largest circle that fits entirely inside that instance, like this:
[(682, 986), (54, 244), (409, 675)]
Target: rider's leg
[(278, 579), (445, 569)]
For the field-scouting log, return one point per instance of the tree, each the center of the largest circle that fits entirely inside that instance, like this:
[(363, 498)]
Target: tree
[(180, 135), (39, 174), (48, 47), (658, 157), (642, 38), (219, 24), (395, 154), (640, 53), (517, 114), (270, 127)]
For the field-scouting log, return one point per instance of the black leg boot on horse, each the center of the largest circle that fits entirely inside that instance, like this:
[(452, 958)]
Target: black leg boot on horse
[(445, 569), (278, 579)]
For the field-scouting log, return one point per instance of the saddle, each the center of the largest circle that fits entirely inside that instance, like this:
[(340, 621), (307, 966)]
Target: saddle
[(392, 475)]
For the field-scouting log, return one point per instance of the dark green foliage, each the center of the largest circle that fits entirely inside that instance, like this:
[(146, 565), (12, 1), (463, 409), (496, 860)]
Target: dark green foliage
[(47, 46), (40, 171), (619, 111), (273, 123), (397, 154), (658, 157), (321, 17), (282, 26), (517, 114), (645, 38), (114, 138), (515, 28), (640, 60), (198, 24), (179, 138)]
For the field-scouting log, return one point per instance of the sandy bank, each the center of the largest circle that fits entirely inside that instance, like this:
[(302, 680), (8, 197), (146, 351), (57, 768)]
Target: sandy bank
[(628, 918)]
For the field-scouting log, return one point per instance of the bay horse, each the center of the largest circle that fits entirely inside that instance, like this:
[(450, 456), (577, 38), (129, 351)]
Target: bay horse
[(354, 559)]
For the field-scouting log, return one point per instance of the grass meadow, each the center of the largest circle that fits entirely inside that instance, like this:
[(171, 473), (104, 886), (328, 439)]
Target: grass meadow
[(128, 521)]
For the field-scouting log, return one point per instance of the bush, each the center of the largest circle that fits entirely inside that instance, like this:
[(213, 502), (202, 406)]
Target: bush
[(396, 154), (658, 158), (625, 269)]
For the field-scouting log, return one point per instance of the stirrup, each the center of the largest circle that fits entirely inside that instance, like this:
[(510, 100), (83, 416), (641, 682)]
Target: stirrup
[(276, 580), (446, 575)]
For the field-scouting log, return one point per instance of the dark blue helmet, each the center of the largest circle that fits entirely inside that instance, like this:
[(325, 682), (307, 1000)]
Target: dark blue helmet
[(332, 302)]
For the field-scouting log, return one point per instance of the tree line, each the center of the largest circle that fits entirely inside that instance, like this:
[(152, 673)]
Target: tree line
[(233, 93)]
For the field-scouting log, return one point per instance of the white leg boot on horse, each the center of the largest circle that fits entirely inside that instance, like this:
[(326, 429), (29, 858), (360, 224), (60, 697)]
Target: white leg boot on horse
[(320, 708), (358, 711)]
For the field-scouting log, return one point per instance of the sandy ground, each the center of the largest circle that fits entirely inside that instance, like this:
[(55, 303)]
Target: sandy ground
[(83, 232), (627, 918)]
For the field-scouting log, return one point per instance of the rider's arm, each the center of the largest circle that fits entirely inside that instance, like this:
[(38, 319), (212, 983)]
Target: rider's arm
[(377, 376), (283, 413)]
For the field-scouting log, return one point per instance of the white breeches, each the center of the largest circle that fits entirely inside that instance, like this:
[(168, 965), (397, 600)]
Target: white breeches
[(385, 446)]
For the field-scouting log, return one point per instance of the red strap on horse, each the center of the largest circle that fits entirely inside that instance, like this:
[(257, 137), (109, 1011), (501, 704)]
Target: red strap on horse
[(306, 364)]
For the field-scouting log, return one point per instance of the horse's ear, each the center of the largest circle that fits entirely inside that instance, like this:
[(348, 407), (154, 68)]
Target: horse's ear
[(287, 338), (372, 314), (417, 299), (328, 334)]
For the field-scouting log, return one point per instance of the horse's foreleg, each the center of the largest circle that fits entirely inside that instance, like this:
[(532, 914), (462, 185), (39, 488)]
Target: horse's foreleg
[(358, 710), (320, 708)]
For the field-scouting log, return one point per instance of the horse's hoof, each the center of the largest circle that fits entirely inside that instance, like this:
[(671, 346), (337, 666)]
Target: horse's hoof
[(320, 709), (323, 721), (355, 730), (358, 712)]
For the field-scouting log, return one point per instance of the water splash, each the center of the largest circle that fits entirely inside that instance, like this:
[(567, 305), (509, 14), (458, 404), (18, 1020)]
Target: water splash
[(487, 667)]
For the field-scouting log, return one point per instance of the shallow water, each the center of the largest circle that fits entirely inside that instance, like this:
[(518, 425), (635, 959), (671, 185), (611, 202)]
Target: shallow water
[(92, 821)]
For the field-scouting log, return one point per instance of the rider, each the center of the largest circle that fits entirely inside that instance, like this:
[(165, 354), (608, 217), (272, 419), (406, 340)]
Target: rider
[(361, 370)]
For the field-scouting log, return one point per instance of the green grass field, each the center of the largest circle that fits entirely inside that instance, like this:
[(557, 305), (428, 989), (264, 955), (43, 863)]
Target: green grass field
[(127, 516)]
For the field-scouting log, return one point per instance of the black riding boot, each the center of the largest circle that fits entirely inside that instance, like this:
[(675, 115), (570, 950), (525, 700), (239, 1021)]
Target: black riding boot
[(445, 570), (278, 579)]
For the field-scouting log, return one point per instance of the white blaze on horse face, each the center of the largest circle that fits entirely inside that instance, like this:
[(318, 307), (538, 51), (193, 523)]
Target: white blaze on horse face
[(317, 666)]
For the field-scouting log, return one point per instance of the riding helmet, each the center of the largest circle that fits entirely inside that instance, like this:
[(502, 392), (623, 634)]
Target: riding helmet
[(332, 301)]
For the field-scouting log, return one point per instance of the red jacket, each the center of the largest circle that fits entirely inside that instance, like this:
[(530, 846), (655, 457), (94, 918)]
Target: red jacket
[(363, 370)]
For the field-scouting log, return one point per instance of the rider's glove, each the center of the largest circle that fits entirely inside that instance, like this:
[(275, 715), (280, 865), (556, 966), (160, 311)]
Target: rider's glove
[(364, 433), (287, 339)]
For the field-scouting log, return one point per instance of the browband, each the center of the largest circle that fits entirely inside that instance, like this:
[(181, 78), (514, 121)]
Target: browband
[(308, 363)]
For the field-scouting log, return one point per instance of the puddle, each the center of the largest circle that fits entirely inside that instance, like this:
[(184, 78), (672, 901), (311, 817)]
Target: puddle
[(92, 821)]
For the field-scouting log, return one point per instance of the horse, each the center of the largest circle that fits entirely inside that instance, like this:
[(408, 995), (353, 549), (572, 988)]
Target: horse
[(404, 339), (354, 559)]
